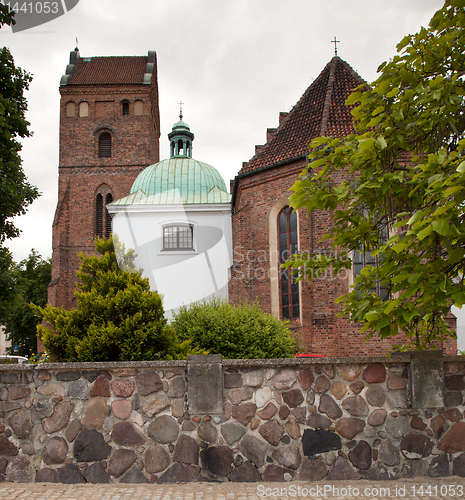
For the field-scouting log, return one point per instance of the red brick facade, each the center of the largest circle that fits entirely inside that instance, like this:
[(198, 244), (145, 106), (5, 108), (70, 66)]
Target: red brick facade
[(103, 84), (261, 190)]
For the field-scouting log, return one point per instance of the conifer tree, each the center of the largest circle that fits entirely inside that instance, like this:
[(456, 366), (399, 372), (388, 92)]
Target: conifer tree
[(118, 317)]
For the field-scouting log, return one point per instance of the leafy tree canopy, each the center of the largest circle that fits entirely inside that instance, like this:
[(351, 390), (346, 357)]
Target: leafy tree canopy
[(6, 15), (118, 317), (235, 332), (15, 192), (30, 281), (405, 177)]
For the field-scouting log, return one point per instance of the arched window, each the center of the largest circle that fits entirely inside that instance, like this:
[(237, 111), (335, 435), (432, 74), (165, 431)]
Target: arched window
[(99, 215), (125, 108), (108, 199), (83, 109), (70, 109), (363, 257), (104, 145), (102, 217), (289, 289), (138, 108)]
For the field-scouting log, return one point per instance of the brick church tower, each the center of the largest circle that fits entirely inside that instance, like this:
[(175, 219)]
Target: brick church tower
[(109, 132), (266, 230)]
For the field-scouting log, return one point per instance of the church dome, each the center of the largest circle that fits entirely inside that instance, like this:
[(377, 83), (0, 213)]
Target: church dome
[(189, 176), (179, 179)]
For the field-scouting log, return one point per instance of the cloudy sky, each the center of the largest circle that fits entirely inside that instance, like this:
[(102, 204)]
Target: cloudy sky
[(235, 64)]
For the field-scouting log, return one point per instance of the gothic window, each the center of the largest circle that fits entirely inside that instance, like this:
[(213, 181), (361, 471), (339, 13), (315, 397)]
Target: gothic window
[(362, 259), (102, 217), (99, 216), (125, 108), (70, 109), (289, 289), (108, 199), (138, 108), (83, 109), (178, 237), (104, 145)]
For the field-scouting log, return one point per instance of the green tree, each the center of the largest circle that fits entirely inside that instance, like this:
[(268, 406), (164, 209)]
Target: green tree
[(6, 15), (15, 192), (235, 332), (118, 317), (405, 177), (31, 278)]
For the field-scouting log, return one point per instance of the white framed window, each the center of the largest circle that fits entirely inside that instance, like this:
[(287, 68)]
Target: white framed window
[(178, 237)]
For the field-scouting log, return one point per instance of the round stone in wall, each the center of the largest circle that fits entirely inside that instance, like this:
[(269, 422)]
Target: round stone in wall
[(156, 459), (124, 433), (284, 378), (349, 372), (163, 429), (55, 451)]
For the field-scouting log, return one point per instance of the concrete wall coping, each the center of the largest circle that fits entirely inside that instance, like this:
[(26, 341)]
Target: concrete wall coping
[(252, 363)]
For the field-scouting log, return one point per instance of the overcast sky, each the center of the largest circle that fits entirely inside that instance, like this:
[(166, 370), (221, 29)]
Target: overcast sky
[(235, 64)]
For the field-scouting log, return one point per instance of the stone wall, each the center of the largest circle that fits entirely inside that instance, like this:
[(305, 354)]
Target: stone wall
[(277, 420)]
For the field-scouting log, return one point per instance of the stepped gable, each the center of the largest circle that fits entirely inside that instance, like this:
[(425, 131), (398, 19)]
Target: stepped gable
[(321, 111), (114, 70)]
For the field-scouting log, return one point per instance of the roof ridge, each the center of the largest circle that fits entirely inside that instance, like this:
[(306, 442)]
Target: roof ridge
[(328, 98)]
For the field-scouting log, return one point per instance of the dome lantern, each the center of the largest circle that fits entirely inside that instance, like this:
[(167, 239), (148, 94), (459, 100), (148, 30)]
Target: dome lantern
[(181, 139)]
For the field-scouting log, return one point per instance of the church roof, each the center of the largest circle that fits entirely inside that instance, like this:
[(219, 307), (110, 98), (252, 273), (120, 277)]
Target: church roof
[(177, 180), (321, 111), (109, 70)]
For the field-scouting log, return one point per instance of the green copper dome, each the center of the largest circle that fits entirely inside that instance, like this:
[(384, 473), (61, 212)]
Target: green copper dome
[(179, 180), (180, 125), (189, 176)]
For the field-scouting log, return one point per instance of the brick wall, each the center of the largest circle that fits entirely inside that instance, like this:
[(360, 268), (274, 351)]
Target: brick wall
[(321, 329)]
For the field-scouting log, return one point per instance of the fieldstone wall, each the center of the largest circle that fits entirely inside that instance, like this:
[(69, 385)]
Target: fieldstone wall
[(281, 420)]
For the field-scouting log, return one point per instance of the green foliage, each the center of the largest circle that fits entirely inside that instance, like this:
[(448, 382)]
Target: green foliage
[(405, 173), (30, 281), (118, 317), (6, 15), (15, 192), (235, 332)]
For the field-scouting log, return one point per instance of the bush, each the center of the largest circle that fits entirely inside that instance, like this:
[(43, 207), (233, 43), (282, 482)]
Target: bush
[(235, 332)]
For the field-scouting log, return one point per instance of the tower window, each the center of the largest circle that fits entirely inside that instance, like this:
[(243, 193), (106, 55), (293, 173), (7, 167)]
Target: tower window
[(138, 108), (83, 109), (102, 217), (125, 108), (99, 216), (178, 237), (289, 289), (108, 199), (104, 145), (70, 109)]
